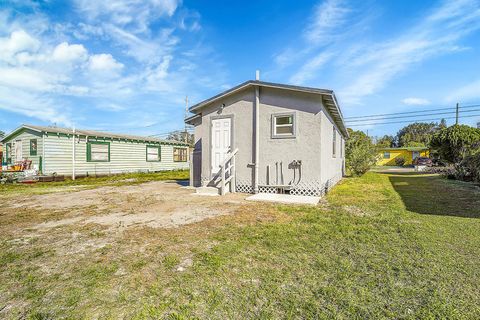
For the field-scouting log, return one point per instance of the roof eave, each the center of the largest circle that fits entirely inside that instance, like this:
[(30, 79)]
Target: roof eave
[(219, 96), (334, 110), (97, 135), (191, 119), (7, 137)]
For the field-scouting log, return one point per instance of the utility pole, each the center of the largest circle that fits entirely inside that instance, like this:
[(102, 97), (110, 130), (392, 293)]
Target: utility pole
[(456, 117), (186, 114)]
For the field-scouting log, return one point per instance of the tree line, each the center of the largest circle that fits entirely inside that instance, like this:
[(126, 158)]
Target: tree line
[(457, 146), (417, 134)]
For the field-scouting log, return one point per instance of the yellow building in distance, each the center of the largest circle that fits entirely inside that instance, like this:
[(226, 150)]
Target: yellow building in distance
[(387, 156)]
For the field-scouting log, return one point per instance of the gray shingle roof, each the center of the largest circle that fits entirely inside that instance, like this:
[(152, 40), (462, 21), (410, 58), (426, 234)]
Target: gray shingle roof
[(329, 99), (93, 133)]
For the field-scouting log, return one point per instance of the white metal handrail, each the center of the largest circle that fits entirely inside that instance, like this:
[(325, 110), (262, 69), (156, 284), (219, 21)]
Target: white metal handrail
[(230, 170)]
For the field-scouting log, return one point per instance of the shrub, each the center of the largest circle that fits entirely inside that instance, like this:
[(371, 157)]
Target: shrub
[(360, 153), (400, 161), (454, 143), (469, 168), (448, 172), (460, 145)]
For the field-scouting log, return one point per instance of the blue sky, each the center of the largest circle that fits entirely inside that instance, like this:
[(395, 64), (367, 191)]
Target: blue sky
[(126, 66)]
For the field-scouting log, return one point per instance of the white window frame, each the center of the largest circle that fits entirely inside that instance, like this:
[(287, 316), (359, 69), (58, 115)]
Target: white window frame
[(158, 153), (276, 135), (90, 152)]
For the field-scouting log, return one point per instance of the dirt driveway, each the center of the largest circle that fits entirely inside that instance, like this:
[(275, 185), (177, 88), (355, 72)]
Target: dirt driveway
[(158, 204), (77, 245)]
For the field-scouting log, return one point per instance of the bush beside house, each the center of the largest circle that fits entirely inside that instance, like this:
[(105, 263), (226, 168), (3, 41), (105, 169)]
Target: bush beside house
[(459, 146), (360, 153)]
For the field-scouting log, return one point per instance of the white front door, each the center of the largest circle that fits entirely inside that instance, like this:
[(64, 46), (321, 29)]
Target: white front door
[(18, 151), (221, 139)]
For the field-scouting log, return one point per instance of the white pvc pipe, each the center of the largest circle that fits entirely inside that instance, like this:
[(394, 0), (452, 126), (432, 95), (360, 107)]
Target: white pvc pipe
[(257, 133), (73, 154), (43, 152), (257, 138)]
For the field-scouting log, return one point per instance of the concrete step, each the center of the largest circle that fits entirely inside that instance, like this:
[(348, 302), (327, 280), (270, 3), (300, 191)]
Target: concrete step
[(208, 191)]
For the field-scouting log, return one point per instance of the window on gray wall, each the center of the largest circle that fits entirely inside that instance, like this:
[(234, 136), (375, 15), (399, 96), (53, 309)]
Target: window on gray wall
[(283, 125), (334, 142)]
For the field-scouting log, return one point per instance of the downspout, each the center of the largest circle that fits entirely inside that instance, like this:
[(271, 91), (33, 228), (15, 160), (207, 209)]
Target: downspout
[(257, 135)]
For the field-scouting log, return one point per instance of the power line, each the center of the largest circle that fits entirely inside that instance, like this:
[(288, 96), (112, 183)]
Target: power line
[(411, 116), (411, 112), (189, 130), (410, 121)]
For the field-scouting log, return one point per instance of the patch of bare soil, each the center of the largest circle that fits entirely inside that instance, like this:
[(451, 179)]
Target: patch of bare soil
[(154, 204)]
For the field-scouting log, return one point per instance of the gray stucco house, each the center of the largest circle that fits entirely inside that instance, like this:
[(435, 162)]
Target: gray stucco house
[(86, 152), (269, 137)]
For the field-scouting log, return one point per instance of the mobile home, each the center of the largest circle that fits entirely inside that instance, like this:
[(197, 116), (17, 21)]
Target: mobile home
[(85, 152)]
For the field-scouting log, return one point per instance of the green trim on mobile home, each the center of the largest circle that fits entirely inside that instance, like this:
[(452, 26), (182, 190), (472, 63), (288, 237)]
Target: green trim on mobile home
[(89, 150), (159, 158), (33, 147), (60, 151)]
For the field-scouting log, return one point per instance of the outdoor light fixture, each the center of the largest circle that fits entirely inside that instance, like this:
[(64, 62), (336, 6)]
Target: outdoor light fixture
[(221, 108)]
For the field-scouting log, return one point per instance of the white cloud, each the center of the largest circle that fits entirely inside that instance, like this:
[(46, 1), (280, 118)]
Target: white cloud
[(32, 106), (111, 107), (73, 53), (104, 63), (310, 69), (35, 73), (190, 21), (436, 34), (416, 101), (159, 73), (327, 16), (467, 92), (362, 67), (144, 49), (27, 78), (138, 14), (322, 30), (18, 41), (55, 67)]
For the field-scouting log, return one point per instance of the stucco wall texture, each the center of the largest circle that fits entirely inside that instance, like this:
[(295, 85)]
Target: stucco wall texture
[(312, 143)]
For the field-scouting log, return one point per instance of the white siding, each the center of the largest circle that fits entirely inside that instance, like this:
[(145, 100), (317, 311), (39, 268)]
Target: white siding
[(25, 138), (124, 157)]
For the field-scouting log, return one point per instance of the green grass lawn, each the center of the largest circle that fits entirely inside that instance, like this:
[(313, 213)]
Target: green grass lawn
[(93, 182), (381, 246)]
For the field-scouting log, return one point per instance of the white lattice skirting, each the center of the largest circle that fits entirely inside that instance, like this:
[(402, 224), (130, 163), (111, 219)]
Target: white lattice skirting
[(243, 186), (315, 189), (267, 189)]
